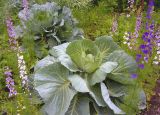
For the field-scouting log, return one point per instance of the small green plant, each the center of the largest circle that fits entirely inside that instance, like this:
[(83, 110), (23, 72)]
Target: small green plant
[(88, 77)]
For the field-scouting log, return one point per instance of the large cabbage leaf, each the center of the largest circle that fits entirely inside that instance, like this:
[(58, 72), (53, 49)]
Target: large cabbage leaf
[(108, 101), (52, 85), (82, 85), (79, 106), (126, 67), (44, 62), (100, 74)]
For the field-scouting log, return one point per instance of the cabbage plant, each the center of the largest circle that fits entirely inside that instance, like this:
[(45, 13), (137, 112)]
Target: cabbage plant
[(50, 24), (85, 77)]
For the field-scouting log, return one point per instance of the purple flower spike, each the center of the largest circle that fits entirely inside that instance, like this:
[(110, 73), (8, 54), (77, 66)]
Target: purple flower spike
[(134, 76), (25, 4), (142, 46), (10, 28), (150, 9), (8, 73), (10, 83), (138, 57), (145, 51), (141, 66)]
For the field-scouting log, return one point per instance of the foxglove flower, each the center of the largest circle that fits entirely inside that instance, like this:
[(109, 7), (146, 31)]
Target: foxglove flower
[(10, 82)]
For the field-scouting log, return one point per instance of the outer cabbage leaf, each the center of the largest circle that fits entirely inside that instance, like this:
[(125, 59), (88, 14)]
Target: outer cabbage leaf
[(126, 67), (101, 110), (44, 62), (85, 54), (59, 52), (79, 106), (81, 85), (100, 74), (108, 101), (116, 89), (52, 85), (142, 97)]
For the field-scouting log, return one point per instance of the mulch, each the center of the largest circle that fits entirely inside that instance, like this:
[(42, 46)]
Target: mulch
[(154, 103)]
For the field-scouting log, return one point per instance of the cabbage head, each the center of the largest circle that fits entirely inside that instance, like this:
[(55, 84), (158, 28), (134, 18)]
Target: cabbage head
[(85, 77)]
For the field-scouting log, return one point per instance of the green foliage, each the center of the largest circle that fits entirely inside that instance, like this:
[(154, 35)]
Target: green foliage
[(49, 25), (81, 67), (73, 3), (97, 22)]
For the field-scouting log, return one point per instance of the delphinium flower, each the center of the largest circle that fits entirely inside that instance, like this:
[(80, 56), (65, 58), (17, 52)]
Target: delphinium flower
[(148, 38), (134, 76), (25, 8), (11, 34), (150, 9), (25, 4), (138, 26), (25, 13), (10, 82), (146, 48), (133, 36)]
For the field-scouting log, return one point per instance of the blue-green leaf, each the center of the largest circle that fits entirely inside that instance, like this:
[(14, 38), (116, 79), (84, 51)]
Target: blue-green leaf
[(54, 88)]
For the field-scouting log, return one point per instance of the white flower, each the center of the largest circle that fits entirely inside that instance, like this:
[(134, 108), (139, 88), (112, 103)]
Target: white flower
[(124, 42), (158, 52), (155, 62), (155, 57), (128, 15)]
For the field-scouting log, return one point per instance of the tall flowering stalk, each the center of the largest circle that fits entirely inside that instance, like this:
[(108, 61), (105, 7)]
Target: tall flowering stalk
[(148, 39), (138, 26), (150, 9), (11, 33), (15, 46), (132, 37), (22, 69), (10, 82)]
